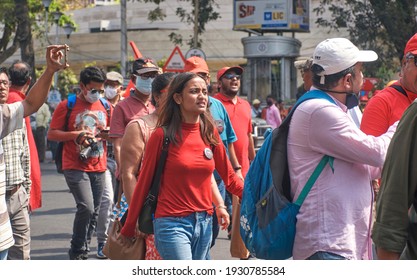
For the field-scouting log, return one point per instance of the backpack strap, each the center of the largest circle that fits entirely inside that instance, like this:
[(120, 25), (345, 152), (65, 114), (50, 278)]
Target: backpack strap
[(278, 158), (70, 105), (400, 89), (316, 173), (106, 106)]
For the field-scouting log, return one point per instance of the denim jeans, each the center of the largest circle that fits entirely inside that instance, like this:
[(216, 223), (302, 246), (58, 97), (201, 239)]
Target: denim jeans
[(184, 238), (87, 189), (3, 255), (106, 207), (216, 228), (325, 256)]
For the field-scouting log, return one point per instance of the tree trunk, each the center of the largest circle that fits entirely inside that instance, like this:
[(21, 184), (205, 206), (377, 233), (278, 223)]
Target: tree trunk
[(24, 34)]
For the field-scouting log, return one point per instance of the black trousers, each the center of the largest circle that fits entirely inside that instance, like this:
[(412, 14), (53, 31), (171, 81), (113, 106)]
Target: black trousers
[(40, 140)]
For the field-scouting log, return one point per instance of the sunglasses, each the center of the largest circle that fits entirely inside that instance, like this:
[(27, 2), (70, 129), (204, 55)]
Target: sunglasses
[(99, 91), (410, 56), (202, 75), (230, 76), (147, 76)]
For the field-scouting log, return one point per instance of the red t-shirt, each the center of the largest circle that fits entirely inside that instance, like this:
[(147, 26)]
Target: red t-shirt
[(186, 180), (126, 110), (241, 118), (384, 109), (84, 116)]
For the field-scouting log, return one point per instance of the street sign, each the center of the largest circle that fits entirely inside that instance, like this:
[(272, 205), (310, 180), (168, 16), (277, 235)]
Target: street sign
[(195, 52), (175, 62)]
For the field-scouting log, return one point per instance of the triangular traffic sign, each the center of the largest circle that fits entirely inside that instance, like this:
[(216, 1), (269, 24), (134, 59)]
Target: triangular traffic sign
[(175, 62)]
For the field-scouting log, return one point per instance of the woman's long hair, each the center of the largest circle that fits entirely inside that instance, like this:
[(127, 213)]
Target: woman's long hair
[(170, 113)]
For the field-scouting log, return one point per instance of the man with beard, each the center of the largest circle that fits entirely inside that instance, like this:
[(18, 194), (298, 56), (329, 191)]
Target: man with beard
[(239, 111)]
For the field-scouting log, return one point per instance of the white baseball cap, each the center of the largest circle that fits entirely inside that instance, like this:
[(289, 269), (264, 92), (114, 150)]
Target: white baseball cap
[(338, 54)]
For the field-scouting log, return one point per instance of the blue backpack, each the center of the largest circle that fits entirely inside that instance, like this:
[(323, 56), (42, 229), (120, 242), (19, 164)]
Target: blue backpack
[(268, 215)]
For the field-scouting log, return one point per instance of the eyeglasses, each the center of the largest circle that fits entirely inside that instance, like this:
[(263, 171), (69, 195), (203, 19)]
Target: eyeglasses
[(410, 56), (230, 76), (204, 76), (99, 91), (146, 76), (5, 83)]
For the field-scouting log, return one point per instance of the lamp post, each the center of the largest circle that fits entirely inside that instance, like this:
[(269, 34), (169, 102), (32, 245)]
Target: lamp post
[(57, 15), (68, 28)]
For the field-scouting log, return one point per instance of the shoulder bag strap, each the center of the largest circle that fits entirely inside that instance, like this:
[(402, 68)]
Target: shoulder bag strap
[(319, 168), (399, 89), (154, 190)]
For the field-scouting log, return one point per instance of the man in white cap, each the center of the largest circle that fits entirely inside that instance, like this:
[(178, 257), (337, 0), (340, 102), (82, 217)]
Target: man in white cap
[(335, 219)]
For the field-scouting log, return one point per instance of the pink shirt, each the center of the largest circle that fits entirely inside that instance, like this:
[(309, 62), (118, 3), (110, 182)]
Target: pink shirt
[(273, 117), (336, 215), (126, 110)]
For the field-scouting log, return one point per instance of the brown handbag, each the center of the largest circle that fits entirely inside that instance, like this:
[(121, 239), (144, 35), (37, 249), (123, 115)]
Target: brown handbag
[(115, 250)]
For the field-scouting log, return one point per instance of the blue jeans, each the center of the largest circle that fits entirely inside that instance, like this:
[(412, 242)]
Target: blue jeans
[(325, 256), (184, 238), (3, 255), (87, 189)]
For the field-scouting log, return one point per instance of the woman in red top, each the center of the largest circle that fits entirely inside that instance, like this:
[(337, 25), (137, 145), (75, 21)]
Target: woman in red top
[(183, 216)]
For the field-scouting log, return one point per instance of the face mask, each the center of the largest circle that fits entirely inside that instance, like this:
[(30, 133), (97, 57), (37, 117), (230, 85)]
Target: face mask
[(269, 103), (144, 86), (92, 96), (110, 92), (352, 100)]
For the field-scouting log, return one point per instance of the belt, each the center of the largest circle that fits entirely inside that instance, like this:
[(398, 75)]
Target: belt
[(12, 191)]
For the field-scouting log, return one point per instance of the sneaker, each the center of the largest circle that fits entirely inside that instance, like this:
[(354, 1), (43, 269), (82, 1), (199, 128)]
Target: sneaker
[(80, 255), (100, 254)]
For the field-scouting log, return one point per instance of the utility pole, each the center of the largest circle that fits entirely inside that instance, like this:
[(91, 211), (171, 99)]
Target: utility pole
[(196, 10), (123, 39)]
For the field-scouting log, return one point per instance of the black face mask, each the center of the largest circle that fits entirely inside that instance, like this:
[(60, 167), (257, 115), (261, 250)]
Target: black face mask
[(269, 103), (352, 100)]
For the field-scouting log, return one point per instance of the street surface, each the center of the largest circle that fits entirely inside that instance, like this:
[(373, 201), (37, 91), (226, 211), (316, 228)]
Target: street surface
[(51, 225)]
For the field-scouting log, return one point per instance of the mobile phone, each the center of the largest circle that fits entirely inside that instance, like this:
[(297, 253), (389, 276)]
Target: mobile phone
[(66, 49)]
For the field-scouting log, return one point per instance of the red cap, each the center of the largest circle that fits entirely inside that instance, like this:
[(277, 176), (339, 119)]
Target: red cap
[(196, 64), (221, 72), (411, 46)]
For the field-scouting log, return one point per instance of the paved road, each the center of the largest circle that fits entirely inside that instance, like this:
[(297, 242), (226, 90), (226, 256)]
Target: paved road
[(51, 225)]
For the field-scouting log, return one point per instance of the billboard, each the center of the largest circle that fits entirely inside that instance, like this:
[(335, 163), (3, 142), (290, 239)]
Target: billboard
[(272, 15)]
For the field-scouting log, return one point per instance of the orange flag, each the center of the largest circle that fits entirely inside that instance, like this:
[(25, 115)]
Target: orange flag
[(136, 54)]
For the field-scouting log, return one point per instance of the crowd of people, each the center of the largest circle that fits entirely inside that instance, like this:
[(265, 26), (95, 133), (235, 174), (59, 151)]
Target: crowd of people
[(362, 206)]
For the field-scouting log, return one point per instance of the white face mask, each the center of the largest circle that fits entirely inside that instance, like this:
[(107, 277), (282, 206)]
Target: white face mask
[(110, 92), (92, 96), (144, 86)]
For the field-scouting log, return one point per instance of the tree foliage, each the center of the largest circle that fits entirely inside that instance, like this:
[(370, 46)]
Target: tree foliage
[(206, 13), (20, 21), (382, 26)]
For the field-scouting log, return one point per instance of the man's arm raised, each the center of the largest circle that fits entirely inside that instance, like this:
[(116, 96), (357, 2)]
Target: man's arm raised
[(38, 93)]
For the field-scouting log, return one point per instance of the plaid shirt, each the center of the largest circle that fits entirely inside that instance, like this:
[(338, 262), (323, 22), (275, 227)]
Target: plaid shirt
[(16, 157)]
